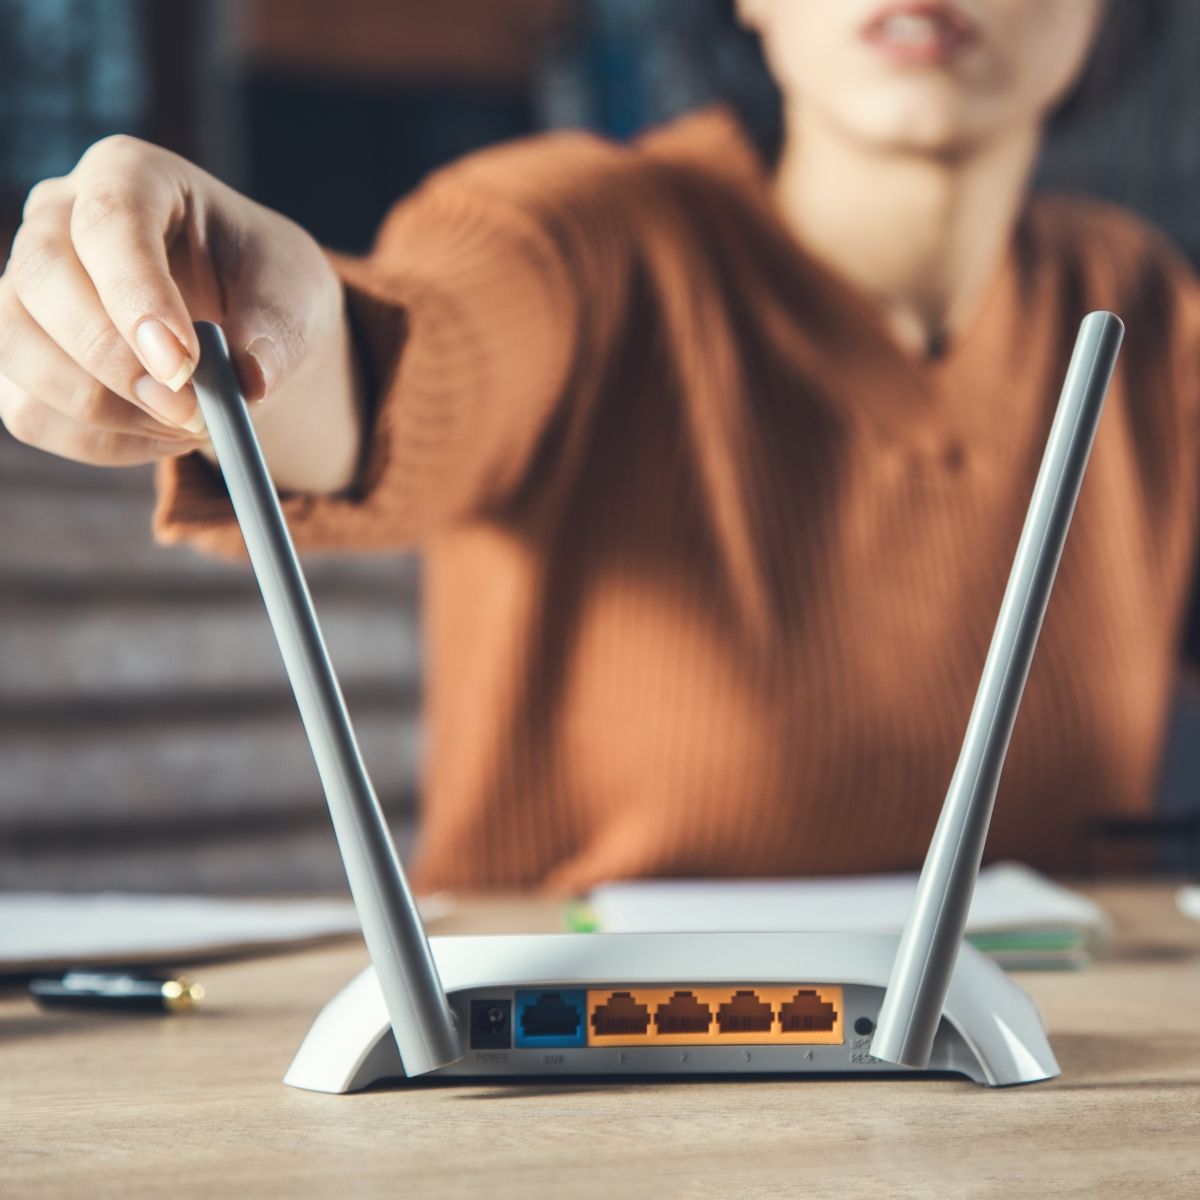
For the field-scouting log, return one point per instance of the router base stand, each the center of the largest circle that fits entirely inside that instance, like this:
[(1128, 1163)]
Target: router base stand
[(659, 1004)]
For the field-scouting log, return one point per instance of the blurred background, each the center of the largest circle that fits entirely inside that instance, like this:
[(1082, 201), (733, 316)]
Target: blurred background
[(147, 737)]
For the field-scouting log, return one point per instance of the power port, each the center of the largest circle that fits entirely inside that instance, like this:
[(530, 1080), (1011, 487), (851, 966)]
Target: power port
[(491, 1024)]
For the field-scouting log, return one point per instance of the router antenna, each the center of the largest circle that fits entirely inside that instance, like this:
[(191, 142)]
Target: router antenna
[(392, 929), (929, 946)]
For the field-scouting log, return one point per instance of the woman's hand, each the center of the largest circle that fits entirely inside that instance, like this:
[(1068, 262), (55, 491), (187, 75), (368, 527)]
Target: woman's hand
[(109, 269)]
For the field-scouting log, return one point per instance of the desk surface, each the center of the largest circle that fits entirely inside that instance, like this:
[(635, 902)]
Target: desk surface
[(193, 1106)]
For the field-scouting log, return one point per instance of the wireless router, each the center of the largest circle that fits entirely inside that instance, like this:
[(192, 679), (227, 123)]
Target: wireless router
[(666, 1004)]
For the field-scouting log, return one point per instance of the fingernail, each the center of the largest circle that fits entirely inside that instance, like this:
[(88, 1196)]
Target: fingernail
[(266, 355), (173, 407), (164, 357)]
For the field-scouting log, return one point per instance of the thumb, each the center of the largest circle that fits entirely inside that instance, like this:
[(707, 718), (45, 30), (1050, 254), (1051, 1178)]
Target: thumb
[(277, 312)]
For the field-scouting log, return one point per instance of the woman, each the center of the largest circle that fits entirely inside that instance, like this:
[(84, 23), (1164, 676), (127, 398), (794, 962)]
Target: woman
[(717, 471)]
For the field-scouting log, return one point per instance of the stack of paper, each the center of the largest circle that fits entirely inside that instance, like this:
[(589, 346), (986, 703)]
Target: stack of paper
[(1018, 916), (44, 930)]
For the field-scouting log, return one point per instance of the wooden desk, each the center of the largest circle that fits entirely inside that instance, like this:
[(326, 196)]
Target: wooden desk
[(194, 1107)]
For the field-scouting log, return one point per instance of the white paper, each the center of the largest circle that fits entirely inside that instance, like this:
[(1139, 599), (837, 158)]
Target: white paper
[(42, 929), (1009, 898)]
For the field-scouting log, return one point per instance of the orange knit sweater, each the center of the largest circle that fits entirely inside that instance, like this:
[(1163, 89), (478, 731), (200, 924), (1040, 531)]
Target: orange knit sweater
[(711, 564)]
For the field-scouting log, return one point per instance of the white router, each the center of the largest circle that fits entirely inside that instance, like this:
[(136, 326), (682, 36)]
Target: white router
[(669, 1004)]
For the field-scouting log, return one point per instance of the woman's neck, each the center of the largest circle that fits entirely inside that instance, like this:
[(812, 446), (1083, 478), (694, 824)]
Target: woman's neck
[(921, 235)]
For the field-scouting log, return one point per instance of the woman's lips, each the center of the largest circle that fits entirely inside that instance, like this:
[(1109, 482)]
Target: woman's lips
[(925, 34)]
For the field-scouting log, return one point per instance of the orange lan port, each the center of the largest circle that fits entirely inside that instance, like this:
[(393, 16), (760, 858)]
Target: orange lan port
[(620, 1016), (744, 1012), (812, 1015), (683, 1015)]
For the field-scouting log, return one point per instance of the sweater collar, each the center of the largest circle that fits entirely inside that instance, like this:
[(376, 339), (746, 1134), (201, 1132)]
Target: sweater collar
[(933, 405)]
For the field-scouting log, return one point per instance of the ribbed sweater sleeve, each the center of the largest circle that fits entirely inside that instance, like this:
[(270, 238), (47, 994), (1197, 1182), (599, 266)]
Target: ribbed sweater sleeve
[(467, 315)]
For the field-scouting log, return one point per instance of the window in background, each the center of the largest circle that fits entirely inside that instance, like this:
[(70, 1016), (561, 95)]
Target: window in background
[(69, 74), (347, 106)]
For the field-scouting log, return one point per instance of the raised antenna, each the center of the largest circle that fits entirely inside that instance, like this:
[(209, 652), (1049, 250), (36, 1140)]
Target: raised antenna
[(916, 992), (391, 926)]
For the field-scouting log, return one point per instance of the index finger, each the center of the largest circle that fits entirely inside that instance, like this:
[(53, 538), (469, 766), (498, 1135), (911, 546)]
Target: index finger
[(120, 222)]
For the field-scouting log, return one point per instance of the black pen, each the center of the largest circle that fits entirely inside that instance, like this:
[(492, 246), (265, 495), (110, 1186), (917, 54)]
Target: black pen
[(118, 991)]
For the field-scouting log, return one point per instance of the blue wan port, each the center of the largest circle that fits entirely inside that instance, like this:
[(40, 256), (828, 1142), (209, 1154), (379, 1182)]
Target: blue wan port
[(551, 1018)]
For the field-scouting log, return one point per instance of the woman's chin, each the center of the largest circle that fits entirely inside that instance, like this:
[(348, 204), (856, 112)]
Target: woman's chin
[(936, 126)]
